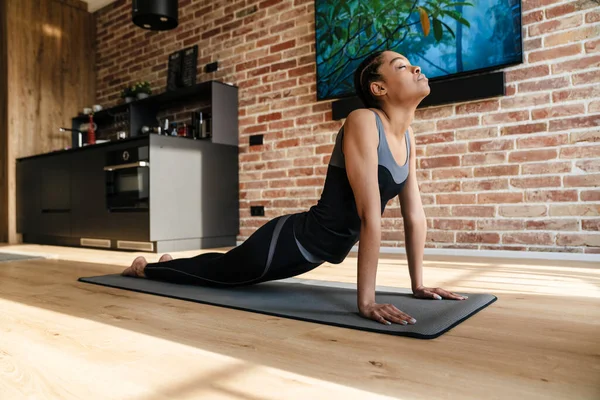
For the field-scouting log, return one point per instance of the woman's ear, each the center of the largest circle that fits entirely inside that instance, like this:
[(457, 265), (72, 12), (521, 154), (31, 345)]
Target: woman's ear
[(378, 89)]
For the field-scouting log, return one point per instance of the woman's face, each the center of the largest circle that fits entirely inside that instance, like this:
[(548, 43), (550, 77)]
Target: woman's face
[(403, 82)]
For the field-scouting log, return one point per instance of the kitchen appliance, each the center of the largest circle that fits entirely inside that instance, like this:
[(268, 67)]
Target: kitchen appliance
[(79, 134), (127, 174)]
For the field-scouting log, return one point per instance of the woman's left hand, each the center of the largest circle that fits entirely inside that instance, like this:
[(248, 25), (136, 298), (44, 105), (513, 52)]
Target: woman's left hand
[(423, 292)]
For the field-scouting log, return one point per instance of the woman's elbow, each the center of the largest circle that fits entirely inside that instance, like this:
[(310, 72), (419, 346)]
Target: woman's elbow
[(372, 223), (416, 220), (369, 220)]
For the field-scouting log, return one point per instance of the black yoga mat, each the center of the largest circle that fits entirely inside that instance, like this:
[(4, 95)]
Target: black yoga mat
[(316, 301)]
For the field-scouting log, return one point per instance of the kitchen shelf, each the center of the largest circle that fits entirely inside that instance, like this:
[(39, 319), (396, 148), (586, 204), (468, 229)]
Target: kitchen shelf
[(221, 98)]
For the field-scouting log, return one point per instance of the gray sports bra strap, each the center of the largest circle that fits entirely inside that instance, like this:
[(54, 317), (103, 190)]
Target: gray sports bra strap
[(380, 129), (386, 159)]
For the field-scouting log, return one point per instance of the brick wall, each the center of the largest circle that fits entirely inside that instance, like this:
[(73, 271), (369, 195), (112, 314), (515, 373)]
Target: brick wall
[(519, 172)]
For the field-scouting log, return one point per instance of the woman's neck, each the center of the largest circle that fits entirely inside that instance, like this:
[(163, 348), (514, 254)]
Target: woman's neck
[(399, 119)]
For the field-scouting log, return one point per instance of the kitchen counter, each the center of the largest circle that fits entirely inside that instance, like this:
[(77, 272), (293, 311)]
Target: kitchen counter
[(94, 146), (153, 193)]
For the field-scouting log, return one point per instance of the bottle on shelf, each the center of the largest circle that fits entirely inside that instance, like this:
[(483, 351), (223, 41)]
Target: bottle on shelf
[(91, 136), (182, 130), (201, 125), (207, 127), (193, 130)]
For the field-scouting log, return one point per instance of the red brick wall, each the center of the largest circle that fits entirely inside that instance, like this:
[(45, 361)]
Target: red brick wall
[(518, 172)]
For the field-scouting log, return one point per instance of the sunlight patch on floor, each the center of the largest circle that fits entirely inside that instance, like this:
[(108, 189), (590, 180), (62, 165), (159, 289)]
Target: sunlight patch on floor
[(235, 381), (83, 350)]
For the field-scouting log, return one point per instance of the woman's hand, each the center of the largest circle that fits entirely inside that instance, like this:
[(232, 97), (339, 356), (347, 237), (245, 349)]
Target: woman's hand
[(386, 314), (423, 292)]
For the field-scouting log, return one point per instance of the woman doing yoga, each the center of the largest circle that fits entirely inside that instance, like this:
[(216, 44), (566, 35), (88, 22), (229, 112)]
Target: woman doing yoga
[(373, 161)]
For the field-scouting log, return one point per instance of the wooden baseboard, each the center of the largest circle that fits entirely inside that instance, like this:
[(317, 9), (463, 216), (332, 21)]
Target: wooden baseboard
[(530, 255)]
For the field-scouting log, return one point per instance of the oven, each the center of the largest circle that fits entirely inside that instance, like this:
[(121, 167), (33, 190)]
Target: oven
[(127, 174)]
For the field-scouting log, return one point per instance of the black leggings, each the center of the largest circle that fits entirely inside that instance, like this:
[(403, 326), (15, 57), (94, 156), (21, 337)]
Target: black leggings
[(270, 253)]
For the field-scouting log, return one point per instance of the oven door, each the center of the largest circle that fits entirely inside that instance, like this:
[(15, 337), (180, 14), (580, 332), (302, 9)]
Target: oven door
[(128, 186)]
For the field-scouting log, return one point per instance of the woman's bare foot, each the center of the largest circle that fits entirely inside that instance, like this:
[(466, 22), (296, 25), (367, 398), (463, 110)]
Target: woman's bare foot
[(165, 257), (137, 268)]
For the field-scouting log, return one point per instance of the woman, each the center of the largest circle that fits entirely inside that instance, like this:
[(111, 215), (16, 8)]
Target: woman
[(373, 161)]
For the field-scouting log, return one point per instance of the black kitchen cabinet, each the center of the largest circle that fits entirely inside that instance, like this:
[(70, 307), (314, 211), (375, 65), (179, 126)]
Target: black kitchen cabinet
[(28, 201), (43, 193), (55, 196), (87, 196)]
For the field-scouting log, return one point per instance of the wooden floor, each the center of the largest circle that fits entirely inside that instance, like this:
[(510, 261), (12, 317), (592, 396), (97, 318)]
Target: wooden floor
[(61, 339)]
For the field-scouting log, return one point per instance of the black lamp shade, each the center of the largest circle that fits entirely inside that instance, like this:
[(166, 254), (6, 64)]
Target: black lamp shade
[(155, 15)]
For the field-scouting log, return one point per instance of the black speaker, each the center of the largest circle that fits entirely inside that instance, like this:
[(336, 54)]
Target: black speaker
[(467, 88), (155, 15)]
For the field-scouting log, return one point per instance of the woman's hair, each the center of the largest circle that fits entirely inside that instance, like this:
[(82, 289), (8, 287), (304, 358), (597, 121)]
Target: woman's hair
[(366, 73)]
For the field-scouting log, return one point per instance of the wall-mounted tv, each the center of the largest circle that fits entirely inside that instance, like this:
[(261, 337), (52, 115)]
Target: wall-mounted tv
[(445, 38)]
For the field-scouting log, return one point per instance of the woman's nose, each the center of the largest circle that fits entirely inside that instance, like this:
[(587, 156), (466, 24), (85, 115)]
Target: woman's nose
[(417, 70)]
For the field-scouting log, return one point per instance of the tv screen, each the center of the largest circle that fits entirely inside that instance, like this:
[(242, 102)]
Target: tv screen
[(445, 38)]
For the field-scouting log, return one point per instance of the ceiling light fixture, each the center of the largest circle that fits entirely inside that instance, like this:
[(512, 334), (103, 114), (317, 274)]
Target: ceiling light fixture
[(155, 15)]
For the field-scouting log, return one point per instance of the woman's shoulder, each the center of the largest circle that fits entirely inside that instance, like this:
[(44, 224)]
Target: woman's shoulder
[(361, 114), (359, 122)]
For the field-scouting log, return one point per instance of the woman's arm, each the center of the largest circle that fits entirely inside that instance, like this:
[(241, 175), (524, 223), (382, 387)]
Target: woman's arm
[(415, 223), (415, 232), (360, 151)]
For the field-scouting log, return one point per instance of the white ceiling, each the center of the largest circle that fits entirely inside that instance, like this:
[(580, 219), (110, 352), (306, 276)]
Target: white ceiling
[(94, 5)]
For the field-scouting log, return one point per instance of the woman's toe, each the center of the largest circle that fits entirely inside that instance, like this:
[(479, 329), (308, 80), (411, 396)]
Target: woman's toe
[(136, 268), (165, 257)]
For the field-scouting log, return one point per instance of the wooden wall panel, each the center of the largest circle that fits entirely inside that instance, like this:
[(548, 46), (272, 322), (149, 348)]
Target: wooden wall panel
[(79, 59), (3, 122), (51, 74)]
